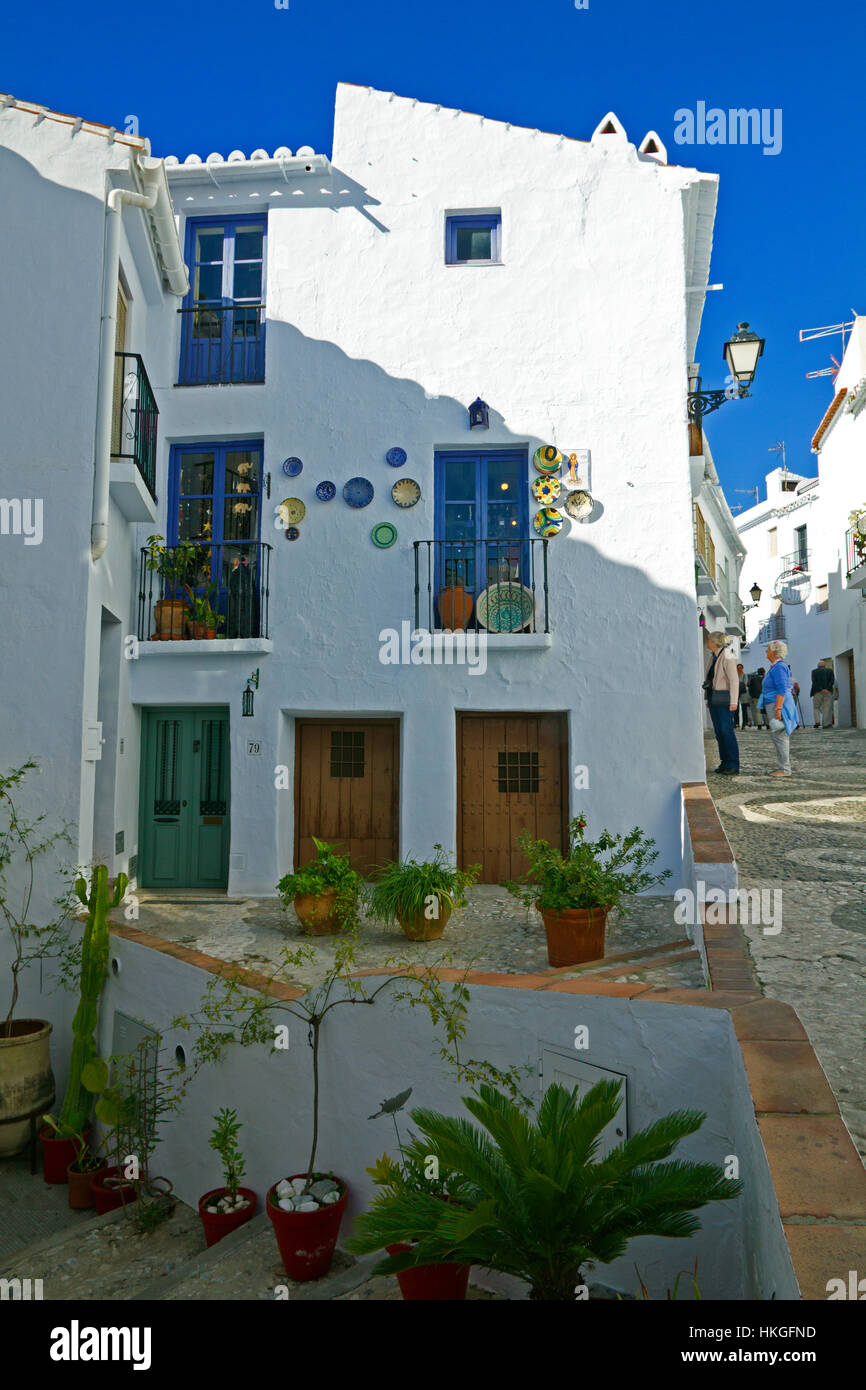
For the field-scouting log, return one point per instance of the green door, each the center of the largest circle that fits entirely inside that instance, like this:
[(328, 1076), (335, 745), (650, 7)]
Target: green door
[(184, 817)]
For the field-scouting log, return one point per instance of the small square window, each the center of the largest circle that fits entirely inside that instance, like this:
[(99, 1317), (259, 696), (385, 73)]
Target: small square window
[(347, 753), (473, 239), (518, 772)]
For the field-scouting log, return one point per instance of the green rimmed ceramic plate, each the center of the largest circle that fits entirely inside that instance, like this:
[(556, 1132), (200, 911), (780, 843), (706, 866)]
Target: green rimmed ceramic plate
[(507, 607), (383, 535)]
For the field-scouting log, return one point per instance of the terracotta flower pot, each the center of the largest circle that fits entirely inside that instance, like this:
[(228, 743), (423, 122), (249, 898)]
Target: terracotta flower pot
[(420, 928), (80, 1191), (221, 1223), (26, 1080), (455, 608), (170, 617), (317, 913), (431, 1282), (108, 1198), (574, 934), (307, 1239), (201, 632), (57, 1154)]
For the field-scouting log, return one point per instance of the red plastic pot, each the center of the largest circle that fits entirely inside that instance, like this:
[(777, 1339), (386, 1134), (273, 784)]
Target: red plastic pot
[(57, 1154), (307, 1239), (109, 1198), (431, 1282), (219, 1224), (80, 1191)]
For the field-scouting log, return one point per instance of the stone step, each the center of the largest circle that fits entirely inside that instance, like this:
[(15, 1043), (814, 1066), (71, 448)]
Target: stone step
[(620, 960)]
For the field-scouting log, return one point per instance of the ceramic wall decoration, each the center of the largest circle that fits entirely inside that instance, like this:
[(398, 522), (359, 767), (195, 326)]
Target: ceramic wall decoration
[(383, 535), (547, 459), (292, 467), (505, 607), (292, 533), (579, 504), (325, 491), (547, 522), (406, 492), (291, 511), (358, 492), (546, 490), (396, 457)]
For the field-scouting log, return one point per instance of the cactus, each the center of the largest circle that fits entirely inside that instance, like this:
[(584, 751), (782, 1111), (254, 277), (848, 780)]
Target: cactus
[(78, 1101)]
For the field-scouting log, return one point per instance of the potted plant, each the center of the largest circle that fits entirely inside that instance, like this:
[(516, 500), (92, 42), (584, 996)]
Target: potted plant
[(175, 565), (26, 1079), (575, 892), (205, 620), (325, 893), (85, 1165), (422, 896), (225, 1208), (541, 1206)]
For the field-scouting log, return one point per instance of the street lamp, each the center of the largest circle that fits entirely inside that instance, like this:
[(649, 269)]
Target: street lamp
[(755, 592), (741, 353)]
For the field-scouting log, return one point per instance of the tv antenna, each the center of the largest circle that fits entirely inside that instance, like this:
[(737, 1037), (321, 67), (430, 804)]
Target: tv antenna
[(829, 330), (826, 371), (779, 448), (749, 492)]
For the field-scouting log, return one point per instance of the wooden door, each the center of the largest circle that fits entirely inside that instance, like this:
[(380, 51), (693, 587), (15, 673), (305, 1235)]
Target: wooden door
[(511, 776), (346, 789), (184, 821)]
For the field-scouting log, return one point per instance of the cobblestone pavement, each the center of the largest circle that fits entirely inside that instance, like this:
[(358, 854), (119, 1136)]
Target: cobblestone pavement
[(805, 836)]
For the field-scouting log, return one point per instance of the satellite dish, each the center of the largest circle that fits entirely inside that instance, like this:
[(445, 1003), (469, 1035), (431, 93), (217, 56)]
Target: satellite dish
[(794, 588)]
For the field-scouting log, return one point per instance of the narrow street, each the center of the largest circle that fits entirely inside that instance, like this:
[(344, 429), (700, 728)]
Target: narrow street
[(805, 836)]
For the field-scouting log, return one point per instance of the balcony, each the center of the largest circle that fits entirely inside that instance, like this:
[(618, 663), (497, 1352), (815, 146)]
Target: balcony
[(855, 559), (494, 586), (771, 630), (798, 563), (704, 578), (222, 344), (717, 601), (233, 575), (736, 624), (133, 439)]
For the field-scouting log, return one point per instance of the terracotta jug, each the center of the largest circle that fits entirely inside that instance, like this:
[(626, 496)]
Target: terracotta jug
[(455, 608)]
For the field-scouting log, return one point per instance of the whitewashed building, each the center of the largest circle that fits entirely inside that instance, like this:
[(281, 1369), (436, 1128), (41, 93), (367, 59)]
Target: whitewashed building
[(718, 556), (789, 558), (340, 316)]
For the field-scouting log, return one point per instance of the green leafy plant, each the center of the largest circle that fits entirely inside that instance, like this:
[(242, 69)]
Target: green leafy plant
[(672, 1294), (859, 541), (224, 1140), (176, 564), (541, 1206), (410, 1174), (593, 874), (329, 872), (202, 610), (23, 843), (409, 889)]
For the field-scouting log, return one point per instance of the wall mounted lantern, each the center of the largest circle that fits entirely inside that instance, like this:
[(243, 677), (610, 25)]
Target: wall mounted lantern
[(252, 681), (479, 415), (742, 351), (755, 592)]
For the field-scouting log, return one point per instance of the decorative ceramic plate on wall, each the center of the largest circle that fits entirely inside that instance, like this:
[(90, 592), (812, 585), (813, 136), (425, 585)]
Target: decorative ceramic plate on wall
[(547, 459), (383, 535), (547, 522), (292, 467), (505, 607), (291, 511), (406, 492), (325, 491), (358, 492), (578, 504), (292, 533), (396, 457), (546, 490)]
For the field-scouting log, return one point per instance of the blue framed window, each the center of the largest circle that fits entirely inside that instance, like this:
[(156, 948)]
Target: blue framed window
[(223, 315), (215, 503), (481, 519), (473, 239)]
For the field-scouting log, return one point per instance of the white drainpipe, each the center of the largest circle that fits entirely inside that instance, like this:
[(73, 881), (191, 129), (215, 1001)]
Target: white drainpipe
[(157, 200)]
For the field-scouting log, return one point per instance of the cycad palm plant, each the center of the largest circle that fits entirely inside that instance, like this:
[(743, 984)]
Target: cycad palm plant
[(541, 1206)]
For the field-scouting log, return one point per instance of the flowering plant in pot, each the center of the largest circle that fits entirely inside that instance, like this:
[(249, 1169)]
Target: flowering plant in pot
[(538, 1203), (574, 892), (225, 1208), (175, 565), (205, 620), (421, 896), (325, 893)]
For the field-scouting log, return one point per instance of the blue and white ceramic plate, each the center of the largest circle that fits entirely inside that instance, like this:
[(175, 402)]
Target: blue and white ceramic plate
[(384, 535), (292, 467), (396, 457), (292, 533), (325, 491), (358, 492)]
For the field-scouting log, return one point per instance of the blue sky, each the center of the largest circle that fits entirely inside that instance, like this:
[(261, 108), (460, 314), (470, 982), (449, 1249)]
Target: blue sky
[(789, 230)]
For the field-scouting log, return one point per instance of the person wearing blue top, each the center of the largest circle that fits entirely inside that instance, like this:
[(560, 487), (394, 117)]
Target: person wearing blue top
[(777, 691)]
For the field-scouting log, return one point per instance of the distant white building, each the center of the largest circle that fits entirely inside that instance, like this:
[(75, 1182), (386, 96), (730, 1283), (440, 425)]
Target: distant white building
[(719, 555), (790, 554), (293, 420), (840, 443)]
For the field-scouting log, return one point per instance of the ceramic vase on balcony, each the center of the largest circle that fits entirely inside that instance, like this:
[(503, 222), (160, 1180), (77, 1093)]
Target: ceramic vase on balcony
[(170, 618), (455, 608)]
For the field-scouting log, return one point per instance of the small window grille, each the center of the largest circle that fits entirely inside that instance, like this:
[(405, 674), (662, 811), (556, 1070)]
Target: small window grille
[(347, 753), (518, 772)]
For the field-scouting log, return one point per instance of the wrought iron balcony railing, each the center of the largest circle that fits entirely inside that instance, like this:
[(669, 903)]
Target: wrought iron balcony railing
[(772, 629), (134, 417), (232, 576), (494, 586), (855, 551), (798, 563), (222, 343)]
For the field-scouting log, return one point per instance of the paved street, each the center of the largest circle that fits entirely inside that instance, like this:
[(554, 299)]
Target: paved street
[(806, 836)]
